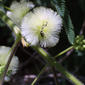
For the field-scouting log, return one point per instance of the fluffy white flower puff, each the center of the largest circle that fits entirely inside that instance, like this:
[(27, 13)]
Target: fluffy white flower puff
[(19, 9), (42, 27), (4, 58)]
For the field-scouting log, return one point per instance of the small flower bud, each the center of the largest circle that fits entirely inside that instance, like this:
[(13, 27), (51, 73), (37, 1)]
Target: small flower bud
[(84, 46), (79, 43), (83, 41)]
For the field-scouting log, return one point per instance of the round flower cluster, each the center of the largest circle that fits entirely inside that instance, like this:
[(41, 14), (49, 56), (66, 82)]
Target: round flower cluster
[(4, 56), (19, 10), (41, 27)]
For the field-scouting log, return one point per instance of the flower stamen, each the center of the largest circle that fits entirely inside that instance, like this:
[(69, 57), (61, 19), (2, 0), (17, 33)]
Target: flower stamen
[(43, 26)]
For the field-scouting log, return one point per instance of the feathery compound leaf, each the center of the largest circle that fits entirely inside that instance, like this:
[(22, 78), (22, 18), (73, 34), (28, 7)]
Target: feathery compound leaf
[(60, 7), (69, 29)]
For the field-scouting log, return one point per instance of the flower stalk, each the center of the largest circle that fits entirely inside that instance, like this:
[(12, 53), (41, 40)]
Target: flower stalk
[(58, 66), (41, 72), (66, 50), (10, 24)]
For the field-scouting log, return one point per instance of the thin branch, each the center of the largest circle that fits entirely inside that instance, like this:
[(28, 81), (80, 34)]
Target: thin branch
[(55, 76), (66, 55), (83, 28), (66, 50), (14, 48), (41, 72)]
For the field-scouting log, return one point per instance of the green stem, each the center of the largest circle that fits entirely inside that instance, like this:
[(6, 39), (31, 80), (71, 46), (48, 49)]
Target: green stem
[(55, 76), (41, 72), (9, 22), (45, 55), (8, 8), (66, 50), (58, 66), (61, 53)]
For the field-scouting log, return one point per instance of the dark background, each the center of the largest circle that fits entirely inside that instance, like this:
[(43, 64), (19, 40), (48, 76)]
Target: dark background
[(31, 62)]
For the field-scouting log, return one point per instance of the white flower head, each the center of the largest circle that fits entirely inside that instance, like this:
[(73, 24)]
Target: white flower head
[(41, 27), (19, 10), (4, 55)]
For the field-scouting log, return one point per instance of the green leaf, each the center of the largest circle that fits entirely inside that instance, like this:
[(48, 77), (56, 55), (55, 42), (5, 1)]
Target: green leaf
[(60, 7), (69, 29)]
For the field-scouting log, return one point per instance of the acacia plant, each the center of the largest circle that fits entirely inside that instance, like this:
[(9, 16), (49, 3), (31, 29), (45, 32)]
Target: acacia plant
[(40, 25)]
